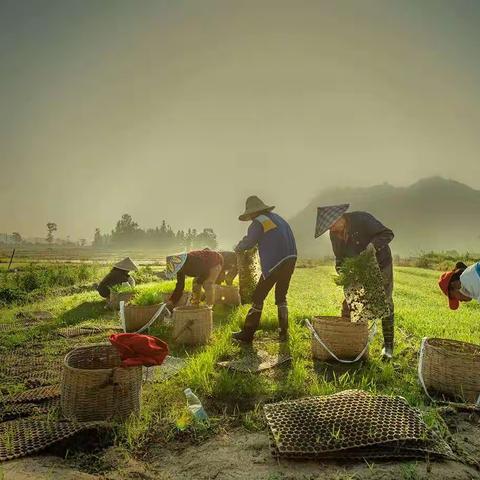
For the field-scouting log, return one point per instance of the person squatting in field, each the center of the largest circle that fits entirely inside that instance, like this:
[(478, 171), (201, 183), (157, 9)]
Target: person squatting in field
[(350, 234), (462, 284), (278, 255), (230, 268), (118, 275), (203, 265)]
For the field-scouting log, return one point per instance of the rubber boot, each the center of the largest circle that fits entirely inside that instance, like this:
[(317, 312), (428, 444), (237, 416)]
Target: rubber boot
[(283, 323), (252, 321), (388, 337)]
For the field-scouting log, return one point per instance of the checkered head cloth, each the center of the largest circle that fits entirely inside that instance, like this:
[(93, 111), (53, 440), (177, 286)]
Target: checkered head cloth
[(327, 216)]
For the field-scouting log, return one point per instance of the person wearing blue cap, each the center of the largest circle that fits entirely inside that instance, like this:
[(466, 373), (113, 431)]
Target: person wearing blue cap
[(350, 234)]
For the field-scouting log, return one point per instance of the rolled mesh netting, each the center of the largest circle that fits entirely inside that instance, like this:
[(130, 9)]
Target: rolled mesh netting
[(351, 424)]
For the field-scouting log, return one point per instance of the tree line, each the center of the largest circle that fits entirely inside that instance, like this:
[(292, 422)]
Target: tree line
[(127, 233)]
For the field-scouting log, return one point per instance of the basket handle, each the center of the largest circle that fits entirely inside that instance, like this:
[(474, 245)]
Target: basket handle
[(149, 323), (371, 334), (420, 368), (422, 381)]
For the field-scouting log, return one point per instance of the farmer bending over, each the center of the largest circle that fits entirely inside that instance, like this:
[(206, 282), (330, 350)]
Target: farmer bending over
[(230, 268), (462, 284), (118, 274), (203, 265), (278, 255), (350, 234)]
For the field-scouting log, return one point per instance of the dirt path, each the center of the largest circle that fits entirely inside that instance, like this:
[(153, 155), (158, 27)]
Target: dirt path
[(41, 468), (243, 455)]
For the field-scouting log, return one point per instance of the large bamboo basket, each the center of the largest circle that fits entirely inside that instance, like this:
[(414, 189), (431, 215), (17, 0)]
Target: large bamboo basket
[(346, 339), (192, 325), (96, 387), (137, 316), (117, 297), (227, 295), (184, 299), (451, 368)]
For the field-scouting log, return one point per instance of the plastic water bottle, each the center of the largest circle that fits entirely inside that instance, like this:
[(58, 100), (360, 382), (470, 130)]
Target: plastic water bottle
[(195, 406)]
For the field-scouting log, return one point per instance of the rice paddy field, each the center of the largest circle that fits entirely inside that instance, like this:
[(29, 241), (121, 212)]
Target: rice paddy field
[(164, 442)]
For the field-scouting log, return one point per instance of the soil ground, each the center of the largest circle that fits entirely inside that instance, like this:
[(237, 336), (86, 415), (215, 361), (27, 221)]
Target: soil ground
[(243, 455)]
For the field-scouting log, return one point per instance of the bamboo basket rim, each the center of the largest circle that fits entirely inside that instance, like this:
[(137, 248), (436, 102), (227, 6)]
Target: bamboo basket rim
[(191, 308), (453, 347), (83, 347), (141, 307), (337, 318)]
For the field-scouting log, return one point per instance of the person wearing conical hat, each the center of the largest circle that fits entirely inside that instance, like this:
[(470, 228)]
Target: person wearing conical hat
[(278, 255), (350, 234), (203, 265), (118, 274)]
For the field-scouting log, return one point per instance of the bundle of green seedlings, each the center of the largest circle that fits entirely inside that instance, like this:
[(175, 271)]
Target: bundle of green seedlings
[(151, 295), (122, 288), (362, 281), (248, 273)]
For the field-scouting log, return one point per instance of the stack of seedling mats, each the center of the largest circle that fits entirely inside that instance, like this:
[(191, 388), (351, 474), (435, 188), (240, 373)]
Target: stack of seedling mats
[(351, 425)]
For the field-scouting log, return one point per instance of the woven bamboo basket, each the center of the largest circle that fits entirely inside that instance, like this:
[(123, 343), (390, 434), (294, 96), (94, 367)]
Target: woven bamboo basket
[(227, 295), (95, 386), (451, 368), (184, 299), (117, 297), (137, 316), (346, 339), (192, 325)]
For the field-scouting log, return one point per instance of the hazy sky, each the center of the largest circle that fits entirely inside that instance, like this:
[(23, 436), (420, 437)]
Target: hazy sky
[(180, 109)]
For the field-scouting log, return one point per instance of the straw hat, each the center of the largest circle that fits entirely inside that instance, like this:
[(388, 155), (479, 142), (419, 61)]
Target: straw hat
[(327, 216), (174, 264), (253, 205), (126, 264)]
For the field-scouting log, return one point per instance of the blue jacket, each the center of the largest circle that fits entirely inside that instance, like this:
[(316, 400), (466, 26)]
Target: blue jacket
[(274, 238)]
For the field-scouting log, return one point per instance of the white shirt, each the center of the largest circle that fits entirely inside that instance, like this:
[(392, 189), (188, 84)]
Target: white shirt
[(470, 280)]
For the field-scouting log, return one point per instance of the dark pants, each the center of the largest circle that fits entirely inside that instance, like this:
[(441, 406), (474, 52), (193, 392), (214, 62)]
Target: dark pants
[(280, 278)]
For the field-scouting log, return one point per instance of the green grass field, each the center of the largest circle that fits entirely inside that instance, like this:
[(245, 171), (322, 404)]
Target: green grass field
[(233, 399)]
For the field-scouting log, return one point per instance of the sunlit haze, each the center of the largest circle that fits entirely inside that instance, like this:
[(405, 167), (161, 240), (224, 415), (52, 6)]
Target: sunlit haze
[(179, 110)]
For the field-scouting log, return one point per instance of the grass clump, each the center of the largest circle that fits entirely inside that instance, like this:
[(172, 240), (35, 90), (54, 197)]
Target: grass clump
[(145, 275), (31, 280)]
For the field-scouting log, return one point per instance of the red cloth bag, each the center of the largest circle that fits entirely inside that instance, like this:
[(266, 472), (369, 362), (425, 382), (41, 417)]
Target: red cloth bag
[(137, 349)]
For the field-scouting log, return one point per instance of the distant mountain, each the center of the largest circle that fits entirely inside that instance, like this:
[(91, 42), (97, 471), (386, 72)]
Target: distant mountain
[(432, 214)]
